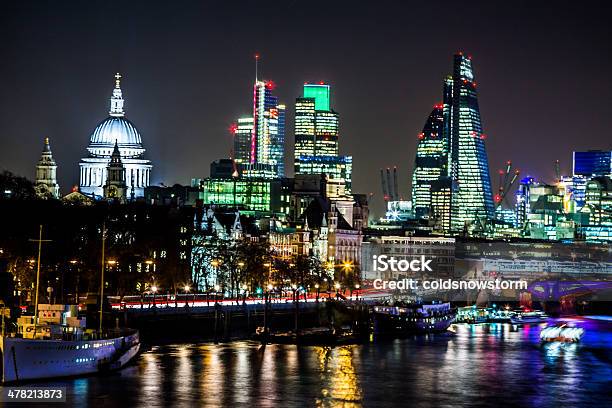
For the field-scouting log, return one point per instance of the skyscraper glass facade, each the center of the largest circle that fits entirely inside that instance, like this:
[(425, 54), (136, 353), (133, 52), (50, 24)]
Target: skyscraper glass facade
[(316, 136), (472, 199), (259, 141), (242, 131), (593, 163), (320, 93), (452, 151), (430, 163)]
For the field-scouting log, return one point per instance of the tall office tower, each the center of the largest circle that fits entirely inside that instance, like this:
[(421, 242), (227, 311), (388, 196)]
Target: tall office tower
[(267, 148), (304, 131), (242, 130), (593, 163), (522, 207), (451, 157), (430, 163), (472, 200), (316, 137)]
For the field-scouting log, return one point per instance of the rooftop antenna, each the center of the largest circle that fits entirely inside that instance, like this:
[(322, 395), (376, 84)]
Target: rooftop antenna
[(256, 65)]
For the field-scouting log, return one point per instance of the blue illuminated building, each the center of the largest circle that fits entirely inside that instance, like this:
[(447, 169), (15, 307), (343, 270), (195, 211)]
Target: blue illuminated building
[(593, 163)]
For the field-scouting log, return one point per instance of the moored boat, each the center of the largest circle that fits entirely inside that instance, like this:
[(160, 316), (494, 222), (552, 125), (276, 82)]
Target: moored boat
[(33, 359), (60, 346), (412, 318), (529, 317)]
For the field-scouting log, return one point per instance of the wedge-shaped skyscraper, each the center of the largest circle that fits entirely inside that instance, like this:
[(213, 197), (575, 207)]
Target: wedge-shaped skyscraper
[(456, 159)]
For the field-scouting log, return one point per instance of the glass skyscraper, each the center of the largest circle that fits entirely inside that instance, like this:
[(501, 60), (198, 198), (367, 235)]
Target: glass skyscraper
[(593, 163), (451, 156), (472, 198), (430, 163), (316, 136), (242, 131), (259, 141)]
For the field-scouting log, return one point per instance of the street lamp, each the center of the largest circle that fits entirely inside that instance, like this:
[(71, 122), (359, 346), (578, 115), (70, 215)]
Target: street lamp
[(357, 286), (154, 290), (217, 288), (187, 289)]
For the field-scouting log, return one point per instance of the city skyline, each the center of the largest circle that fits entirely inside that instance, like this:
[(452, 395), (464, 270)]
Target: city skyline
[(184, 132)]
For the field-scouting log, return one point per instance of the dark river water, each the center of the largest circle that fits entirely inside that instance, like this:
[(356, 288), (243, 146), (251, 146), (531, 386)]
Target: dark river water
[(479, 365)]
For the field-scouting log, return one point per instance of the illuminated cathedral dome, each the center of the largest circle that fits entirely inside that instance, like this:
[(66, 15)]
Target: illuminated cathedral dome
[(115, 129)]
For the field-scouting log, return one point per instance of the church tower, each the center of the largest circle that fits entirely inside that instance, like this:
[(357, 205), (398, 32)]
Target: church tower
[(115, 187), (46, 174)]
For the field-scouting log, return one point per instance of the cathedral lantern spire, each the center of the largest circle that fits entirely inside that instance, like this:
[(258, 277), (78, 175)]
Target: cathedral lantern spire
[(116, 101), (46, 173)]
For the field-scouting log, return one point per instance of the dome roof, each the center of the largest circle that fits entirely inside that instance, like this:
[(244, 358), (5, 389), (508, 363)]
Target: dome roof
[(116, 129)]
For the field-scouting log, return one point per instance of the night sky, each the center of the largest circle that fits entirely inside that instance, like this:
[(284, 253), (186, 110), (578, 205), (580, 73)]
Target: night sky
[(544, 75)]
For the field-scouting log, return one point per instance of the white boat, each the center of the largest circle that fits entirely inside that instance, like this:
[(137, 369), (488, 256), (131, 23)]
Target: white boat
[(32, 359), (529, 317), (54, 342), (561, 332)]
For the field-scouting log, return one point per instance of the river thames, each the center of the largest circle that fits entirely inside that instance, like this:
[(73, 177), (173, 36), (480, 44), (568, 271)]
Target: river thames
[(477, 365)]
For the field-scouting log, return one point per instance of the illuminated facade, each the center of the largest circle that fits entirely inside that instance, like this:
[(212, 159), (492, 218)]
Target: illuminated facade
[(266, 156), (469, 168), (115, 129), (115, 187), (242, 131), (316, 136), (451, 154), (46, 173), (430, 163), (262, 195), (593, 163)]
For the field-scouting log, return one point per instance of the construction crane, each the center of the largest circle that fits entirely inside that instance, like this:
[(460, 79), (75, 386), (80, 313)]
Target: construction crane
[(395, 189), (558, 171), (505, 183), (384, 186), (389, 185)]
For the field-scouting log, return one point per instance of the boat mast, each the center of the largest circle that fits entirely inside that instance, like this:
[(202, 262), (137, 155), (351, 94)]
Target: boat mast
[(102, 275), (40, 241)]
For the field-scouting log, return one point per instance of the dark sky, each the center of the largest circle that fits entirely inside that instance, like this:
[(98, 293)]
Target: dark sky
[(544, 76)]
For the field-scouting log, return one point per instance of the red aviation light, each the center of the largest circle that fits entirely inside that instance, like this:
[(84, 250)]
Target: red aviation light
[(501, 172), (438, 106), (256, 55), (421, 136), (321, 83), (233, 128), (497, 198), (483, 136), (270, 85)]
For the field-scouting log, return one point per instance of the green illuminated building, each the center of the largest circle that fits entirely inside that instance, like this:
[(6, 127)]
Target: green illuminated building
[(316, 136), (262, 195)]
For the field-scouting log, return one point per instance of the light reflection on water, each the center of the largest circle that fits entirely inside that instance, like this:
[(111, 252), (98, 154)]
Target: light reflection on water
[(479, 365)]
